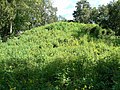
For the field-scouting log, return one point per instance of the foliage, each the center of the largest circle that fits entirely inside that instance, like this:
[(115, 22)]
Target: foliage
[(61, 56), (107, 16), (83, 11), (114, 16), (19, 15)]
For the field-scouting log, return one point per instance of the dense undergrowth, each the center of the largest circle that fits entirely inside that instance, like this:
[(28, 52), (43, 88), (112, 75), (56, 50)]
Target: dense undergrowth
[(61, 56)]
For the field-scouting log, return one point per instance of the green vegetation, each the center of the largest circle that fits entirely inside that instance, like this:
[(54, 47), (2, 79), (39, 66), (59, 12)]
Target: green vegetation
[(20, 15), (106, 16), (61, 56)]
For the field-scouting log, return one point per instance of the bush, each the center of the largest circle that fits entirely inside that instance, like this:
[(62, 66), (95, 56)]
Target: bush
[(60, 56)]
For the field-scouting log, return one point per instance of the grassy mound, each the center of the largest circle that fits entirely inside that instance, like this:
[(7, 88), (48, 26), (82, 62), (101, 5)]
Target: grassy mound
[(61, 56)]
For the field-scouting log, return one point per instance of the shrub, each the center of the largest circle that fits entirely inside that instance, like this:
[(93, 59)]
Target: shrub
[(60, 56)]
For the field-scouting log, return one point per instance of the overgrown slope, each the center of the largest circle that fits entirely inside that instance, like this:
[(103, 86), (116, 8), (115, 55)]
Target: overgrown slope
[(61, 56)]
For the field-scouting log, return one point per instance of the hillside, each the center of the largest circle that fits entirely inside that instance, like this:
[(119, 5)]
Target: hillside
[(61, 56)]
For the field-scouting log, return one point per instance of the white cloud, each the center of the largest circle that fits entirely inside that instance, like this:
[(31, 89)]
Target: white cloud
[(66, 7), (63, 9)]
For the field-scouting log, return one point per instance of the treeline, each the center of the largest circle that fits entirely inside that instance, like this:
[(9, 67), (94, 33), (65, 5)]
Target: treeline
[(19, 15), (107, 16)]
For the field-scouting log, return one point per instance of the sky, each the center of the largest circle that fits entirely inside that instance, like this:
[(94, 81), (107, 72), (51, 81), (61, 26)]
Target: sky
[(66, 7)]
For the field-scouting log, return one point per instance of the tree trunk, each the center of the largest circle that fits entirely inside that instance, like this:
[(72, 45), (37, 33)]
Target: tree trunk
[(10, 27)]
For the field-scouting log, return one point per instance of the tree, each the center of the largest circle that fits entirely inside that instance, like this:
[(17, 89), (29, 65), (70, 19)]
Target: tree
[(15, 14), (114, 16), (107, 16), (61, 18), (82, 12), (48, 14), (18, 15), (7, 16), (101, 16)]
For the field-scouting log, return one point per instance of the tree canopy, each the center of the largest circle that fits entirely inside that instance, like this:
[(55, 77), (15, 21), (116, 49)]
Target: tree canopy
[(107, 16), (18, 15), (82, 13)]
